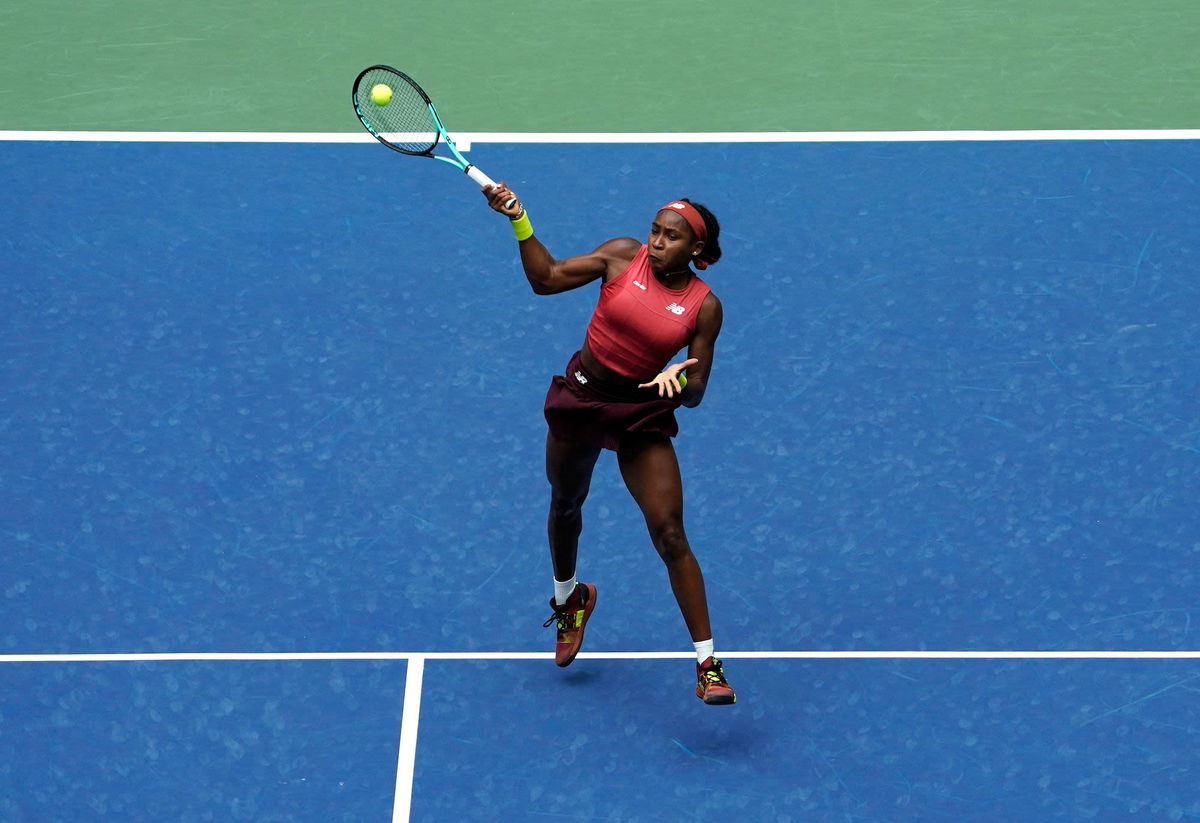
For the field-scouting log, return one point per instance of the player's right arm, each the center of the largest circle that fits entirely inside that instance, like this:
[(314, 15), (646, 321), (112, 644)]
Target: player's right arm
[(549, 276)]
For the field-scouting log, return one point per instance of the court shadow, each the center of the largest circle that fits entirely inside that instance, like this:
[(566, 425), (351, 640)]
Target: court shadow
[(721, 739), (582, 676)]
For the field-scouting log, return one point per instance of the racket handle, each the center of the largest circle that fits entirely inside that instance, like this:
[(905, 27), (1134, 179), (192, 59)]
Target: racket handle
[(479, 177), (484, 182)]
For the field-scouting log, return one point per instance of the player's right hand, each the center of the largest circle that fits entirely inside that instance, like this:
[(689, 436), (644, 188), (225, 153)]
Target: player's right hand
[(500, 194)]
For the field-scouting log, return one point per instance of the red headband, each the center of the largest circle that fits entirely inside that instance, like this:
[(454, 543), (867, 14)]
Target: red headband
[(689, 213)]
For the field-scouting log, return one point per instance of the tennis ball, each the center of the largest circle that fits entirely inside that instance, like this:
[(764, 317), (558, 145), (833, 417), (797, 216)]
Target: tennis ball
[(381, 94), (682, 380)]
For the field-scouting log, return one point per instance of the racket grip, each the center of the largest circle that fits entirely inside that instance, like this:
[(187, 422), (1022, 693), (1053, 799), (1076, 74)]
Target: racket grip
[(484, 182), (479, 177)]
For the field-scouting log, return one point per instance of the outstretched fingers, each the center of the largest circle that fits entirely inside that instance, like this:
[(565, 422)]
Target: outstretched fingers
[(667, 381)]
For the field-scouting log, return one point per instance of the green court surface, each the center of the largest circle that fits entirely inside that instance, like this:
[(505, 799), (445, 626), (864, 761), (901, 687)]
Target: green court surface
[(607, 65)]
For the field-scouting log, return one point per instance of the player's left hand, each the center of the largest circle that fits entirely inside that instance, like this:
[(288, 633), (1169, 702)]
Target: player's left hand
[(667, 381)]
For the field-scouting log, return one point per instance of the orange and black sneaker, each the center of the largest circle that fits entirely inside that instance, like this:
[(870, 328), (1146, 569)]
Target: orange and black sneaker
[(570, 619), (711, 685)]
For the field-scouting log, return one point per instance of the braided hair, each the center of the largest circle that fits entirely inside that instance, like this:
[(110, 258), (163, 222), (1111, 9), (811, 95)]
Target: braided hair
[(712, 249)]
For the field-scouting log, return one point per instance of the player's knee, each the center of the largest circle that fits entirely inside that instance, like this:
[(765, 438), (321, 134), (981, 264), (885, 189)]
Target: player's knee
[(670, 540), (566, 506)]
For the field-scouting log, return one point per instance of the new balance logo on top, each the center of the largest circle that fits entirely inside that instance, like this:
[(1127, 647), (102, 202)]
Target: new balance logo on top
[(579, 376), (676, 308), (639, 285)]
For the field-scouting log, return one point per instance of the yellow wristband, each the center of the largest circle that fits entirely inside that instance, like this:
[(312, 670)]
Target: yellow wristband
[(521, 226)]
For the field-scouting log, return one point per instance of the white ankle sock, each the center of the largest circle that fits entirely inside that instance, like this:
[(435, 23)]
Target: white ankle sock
[(563, 590), (704, 650)]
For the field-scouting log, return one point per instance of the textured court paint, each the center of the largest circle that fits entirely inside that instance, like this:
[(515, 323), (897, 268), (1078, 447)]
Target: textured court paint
[(963, 741), (190, 742), (607, 66), (315, 742), (255, 401)]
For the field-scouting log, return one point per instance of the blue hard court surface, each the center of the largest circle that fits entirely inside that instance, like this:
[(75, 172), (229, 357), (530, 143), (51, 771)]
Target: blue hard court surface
[(287, 398)]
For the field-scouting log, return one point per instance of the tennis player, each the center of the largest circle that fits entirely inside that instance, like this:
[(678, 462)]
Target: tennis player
[(619, 393)]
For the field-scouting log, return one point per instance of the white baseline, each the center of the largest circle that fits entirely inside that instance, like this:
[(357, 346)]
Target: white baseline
[(1002, 654), (465, 139)]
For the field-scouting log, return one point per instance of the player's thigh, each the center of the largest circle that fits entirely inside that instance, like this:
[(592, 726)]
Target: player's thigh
[(569, 466), (650, 470)]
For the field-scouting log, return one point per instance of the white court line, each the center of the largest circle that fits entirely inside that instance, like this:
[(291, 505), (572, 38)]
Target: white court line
[(464, 139), (407, 758), (167, 657), (414, 680)]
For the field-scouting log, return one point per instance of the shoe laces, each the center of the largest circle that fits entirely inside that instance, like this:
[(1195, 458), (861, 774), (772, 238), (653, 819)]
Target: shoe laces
[(714, 674), (564, 614)]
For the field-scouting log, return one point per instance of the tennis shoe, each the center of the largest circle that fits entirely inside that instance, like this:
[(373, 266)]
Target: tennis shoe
[(570, 619), (711, 685)]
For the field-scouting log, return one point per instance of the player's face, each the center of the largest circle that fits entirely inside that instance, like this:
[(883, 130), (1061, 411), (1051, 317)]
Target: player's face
[(671, 243)]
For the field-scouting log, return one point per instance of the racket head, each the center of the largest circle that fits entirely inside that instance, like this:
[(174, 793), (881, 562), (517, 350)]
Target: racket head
[(407, 122)]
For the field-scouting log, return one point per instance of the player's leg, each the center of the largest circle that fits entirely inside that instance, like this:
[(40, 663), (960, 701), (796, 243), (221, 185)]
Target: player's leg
[(651, 473), (569, 467)]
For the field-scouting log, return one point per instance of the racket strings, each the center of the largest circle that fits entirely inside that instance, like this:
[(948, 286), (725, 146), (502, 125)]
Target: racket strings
[(405, 121)]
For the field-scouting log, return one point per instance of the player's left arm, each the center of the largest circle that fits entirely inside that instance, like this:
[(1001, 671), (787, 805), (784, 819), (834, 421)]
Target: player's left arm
[(704, 341)]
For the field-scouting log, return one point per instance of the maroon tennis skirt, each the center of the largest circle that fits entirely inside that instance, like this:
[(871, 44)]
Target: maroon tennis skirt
[(582, 408)]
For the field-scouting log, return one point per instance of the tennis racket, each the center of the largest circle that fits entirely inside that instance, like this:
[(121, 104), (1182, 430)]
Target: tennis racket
[(402, 117)]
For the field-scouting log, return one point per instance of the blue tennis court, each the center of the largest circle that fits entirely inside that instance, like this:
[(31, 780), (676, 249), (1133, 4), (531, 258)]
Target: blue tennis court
[(284, 401)]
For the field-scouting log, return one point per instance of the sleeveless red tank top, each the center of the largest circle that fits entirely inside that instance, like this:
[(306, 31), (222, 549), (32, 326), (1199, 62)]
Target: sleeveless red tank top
[(639, 324)]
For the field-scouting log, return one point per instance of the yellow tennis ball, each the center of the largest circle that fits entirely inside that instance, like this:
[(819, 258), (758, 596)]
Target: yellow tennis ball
[(381, 94), (682, 378)]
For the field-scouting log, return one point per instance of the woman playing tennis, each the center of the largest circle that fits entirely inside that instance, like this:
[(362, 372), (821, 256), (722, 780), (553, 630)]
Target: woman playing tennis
[(619, 393)]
